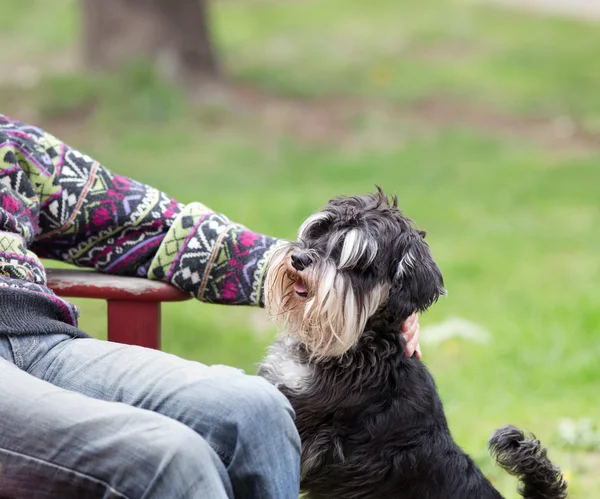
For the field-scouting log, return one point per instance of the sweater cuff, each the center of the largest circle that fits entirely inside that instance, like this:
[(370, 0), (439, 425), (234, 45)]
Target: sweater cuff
[(214, 259)]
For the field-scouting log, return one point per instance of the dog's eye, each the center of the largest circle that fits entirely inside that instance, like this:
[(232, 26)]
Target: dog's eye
[(315, 226), (317, 230), (364, 279)]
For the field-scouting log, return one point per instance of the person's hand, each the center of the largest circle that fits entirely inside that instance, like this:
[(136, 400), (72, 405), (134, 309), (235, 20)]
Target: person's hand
[(410, 331)]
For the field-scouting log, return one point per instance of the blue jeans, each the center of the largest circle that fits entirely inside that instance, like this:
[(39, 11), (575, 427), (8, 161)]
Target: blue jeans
[(88, 418)]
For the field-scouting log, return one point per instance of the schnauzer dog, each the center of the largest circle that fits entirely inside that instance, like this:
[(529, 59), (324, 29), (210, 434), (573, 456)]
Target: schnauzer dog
[(370, 419)]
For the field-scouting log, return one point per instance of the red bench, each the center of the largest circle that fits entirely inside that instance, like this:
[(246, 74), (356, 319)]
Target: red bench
[(133, 303)]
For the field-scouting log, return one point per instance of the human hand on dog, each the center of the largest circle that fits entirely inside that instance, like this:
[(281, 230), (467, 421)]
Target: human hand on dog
[(410, 331)]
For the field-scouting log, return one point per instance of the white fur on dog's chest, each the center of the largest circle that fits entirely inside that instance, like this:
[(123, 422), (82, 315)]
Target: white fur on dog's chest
[(283, 368)]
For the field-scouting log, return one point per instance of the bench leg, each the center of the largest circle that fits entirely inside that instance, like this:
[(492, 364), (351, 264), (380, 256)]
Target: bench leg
[(134, 323)]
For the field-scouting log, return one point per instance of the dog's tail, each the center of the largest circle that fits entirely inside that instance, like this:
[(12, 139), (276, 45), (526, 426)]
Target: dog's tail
[(524, 457)]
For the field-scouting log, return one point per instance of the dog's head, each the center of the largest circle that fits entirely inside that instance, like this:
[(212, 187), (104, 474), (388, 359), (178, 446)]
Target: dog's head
[(357, 257)]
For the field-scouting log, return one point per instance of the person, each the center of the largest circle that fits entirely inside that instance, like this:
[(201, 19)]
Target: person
[(81, 417)]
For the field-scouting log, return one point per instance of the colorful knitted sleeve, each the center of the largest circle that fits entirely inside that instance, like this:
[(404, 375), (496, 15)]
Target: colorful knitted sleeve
[(58, 203)]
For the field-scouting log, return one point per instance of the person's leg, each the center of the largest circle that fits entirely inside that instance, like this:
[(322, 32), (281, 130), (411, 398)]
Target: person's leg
[(246, 421), (59, 444)]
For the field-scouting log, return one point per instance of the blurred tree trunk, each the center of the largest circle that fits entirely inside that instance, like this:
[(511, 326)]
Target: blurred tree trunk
[(173, 35)]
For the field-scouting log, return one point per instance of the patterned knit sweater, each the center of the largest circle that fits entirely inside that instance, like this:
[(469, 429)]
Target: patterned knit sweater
[(58, 203)]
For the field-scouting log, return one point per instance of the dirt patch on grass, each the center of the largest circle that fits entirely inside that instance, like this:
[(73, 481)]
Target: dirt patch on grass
[(441, 52), (560, 133), (357, 123), (587, 10), (340, 120)]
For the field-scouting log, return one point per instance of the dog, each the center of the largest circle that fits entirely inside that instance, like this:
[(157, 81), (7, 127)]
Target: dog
[(371, 422)]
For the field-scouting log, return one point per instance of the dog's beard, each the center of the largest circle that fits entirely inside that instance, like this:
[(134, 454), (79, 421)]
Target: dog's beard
[(333, 315)]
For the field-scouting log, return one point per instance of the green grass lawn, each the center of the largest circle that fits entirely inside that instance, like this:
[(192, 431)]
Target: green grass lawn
[(483, 121)]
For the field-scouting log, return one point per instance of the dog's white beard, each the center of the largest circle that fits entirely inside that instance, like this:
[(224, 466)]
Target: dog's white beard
[(329, 321)]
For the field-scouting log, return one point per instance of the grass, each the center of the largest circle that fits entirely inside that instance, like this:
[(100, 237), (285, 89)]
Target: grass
[(512, 218)]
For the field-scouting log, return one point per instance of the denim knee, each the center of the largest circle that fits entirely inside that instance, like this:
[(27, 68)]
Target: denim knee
[(167, 443), (243, 418), (263, 446), (247, 422), (261, 405), (171, 460)]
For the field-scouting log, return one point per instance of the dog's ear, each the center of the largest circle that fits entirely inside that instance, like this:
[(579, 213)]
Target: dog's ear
[(417, 282)]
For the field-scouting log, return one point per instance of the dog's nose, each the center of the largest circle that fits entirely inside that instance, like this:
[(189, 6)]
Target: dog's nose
[(300, 261)]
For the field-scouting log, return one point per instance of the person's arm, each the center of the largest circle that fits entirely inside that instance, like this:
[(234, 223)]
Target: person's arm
[(68, 207), (63, 205)]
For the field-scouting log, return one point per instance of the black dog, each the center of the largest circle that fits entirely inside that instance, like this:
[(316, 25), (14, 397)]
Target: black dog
[(371, 421)]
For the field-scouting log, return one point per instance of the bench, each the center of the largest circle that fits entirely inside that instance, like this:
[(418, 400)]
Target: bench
[(133, 303)]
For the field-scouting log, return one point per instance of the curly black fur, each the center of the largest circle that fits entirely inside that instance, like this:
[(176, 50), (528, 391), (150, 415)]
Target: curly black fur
[(524, 457), (371, 421), (373, 426)]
